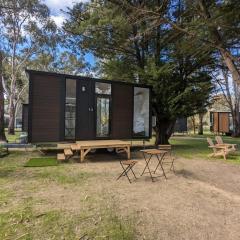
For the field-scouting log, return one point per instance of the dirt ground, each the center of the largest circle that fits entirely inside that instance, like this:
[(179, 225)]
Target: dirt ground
[(200, 201)]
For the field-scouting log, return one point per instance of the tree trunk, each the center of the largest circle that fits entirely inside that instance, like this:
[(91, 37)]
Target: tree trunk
[(200, 126), (2, 132), (164, 130), (231, 66), (236, 123), (193, 124), (11, 125)]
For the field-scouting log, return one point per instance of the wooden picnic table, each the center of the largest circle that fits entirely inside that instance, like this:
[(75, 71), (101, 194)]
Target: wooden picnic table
[(86, 146)]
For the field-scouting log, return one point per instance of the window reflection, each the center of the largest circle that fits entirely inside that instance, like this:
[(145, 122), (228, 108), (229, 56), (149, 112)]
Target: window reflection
[(141, 112), (70, 109), (103, 88), (103, 116)]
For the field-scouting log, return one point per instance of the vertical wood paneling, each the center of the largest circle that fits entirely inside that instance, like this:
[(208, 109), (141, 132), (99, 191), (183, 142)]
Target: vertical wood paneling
[(25, 117), (215, 122), (224, 122), (46, 108), (122, 111)]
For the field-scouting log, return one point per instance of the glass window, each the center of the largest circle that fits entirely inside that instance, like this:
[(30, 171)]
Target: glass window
[(103, 88), (70, 109), (103, 104), (141, 112)]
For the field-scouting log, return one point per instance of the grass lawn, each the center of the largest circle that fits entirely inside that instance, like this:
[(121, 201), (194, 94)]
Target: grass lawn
[(84, 201), (196, 146), (29, 208), (13, 138), (41, 162)]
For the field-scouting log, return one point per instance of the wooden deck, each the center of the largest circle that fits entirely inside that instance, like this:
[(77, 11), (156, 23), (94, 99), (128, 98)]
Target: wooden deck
[(84, 147)]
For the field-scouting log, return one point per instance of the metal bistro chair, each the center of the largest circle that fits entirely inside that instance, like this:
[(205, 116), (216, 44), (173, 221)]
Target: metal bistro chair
[(168, 148), (127, 165)]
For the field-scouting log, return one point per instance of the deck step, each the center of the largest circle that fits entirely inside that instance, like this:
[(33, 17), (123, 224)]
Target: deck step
[(74, 147), (61, 157), (68, 152)]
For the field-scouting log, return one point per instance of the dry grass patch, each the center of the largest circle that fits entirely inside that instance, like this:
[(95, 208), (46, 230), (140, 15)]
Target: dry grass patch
[(55, 203)]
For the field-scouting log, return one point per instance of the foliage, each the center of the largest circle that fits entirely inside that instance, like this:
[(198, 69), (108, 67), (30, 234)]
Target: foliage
[(132, 51), (61, 61), (26, 28), (212, 24)]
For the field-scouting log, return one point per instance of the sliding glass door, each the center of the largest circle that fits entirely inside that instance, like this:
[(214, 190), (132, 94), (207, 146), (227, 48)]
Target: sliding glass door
[(70, 109), (103, 116), (141, 112), (103, 103)]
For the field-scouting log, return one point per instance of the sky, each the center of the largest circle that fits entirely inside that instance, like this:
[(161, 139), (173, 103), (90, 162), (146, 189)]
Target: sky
[(57, 15), (56, 6)]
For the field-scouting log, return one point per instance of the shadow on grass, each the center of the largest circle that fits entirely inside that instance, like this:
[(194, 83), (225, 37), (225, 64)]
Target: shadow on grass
[(5, 173), (186, 174)]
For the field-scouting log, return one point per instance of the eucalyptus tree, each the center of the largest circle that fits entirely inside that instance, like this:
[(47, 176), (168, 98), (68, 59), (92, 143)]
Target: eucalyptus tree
[(26, 29), (130, 49), (2, 131), (230, 91)]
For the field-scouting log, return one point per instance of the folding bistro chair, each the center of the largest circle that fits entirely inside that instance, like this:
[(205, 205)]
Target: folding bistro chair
[(127, 165), (168, 148)]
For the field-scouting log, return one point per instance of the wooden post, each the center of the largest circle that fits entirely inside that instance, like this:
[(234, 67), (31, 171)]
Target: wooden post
[(82, 155), (128, 152)]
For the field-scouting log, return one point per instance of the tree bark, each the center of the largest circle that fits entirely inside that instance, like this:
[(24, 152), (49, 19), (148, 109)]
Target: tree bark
[(11, 125), (226, 54), (164, 130), (231, 66), (2, 132), (236, 123), (193, 124), (200, 126)]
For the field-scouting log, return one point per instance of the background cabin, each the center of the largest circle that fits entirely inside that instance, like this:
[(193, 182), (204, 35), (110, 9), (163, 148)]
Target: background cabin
[(68, 108), (181, 125), (221, 122)]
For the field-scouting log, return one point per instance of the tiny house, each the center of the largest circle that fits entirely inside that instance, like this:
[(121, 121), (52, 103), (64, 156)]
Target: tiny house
[(221, 122), (24, 117), (68, 108)]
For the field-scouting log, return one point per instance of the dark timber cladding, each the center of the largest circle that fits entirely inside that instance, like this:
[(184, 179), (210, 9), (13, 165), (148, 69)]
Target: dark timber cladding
[(45, 106), (68, 108), (24, 117), (122, 112)]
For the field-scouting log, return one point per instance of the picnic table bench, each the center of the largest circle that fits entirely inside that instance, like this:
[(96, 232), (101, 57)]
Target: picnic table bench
[(86, 146)]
